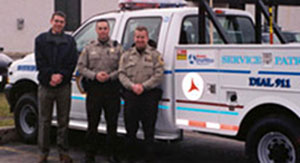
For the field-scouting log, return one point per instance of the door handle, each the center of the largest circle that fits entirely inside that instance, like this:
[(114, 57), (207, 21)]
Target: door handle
[(212, 88)]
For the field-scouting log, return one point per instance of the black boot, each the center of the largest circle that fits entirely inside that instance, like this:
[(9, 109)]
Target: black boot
[(89, 158)]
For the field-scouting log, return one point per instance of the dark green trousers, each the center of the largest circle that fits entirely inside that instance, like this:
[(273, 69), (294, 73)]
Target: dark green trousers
[(47, 97)]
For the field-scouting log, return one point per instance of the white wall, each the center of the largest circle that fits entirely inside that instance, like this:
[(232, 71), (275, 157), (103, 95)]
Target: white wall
[(36, 15), (92, 7), (287, 17)]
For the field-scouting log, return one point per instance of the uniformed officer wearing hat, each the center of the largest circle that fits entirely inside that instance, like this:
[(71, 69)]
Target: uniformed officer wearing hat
[(141, 72), (98, 63)]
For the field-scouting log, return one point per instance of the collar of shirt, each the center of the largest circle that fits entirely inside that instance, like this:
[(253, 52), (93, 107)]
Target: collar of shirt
[(108, 43), (56, 34), (56, 38), (146, 51)]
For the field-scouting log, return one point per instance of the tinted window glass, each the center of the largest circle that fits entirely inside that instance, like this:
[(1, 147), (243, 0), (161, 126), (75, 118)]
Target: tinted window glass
[(189, 32), (152, 24), (297, 36), (239, 29)]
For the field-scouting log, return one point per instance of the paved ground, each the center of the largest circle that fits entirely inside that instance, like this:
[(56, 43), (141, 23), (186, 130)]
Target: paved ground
[(194, 148)]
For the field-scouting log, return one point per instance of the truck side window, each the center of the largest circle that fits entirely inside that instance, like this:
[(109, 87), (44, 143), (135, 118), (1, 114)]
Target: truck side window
[(88, 33), (239, 28), (189, 32), (152, 23)]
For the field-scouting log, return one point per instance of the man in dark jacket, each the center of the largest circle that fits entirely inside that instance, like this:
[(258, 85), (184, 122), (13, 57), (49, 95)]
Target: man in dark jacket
[(56, 58)]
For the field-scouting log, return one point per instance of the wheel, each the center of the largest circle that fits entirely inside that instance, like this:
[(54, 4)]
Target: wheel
[(26, 117), (274, 140)]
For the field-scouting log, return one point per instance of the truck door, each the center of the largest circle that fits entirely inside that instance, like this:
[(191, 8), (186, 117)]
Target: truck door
[(196, 88), (196, 81), (202, 104)]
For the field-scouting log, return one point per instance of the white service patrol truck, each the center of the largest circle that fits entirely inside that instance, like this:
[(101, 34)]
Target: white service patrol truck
[(243, 91)]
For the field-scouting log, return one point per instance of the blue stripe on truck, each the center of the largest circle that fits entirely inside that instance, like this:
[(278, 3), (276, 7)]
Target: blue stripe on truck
[(213, 71)]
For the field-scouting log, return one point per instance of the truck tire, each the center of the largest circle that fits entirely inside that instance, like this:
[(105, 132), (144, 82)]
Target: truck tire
[(275, 140), (26, 117)]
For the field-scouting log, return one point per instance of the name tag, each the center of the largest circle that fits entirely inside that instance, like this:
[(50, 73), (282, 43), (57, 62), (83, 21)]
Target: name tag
[(148, 59)]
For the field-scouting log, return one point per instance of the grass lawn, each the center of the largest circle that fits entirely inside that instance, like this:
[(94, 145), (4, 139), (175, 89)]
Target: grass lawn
[(6, 118)]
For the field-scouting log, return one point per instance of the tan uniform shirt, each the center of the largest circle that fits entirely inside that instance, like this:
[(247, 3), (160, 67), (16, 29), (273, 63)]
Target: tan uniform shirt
[(97, 57), (146, 68)]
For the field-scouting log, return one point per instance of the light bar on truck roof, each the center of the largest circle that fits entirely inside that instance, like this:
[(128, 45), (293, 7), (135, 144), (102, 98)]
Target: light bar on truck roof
[(218, 11), (142, 4)]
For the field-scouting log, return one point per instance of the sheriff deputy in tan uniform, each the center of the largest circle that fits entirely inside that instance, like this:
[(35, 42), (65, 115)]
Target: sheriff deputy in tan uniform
[(98, 64), (141, 72)]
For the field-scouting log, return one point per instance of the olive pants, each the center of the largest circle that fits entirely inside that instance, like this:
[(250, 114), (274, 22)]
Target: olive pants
[(46, 99)]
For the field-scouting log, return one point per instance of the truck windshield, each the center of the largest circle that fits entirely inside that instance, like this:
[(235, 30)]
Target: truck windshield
[(240, 29)]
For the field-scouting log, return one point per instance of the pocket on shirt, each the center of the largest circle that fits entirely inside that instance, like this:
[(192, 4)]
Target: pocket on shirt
[(94, 60), (148, 68), (130, 69)]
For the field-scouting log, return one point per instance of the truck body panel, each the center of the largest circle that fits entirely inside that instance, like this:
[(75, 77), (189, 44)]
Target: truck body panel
[(207, 88)]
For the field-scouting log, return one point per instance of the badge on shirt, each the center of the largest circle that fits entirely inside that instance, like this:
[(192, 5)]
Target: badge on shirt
[(93, 53), (111, 50)]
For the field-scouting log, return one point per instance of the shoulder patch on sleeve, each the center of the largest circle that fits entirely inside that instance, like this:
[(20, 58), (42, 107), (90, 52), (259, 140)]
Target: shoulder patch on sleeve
[(160, 60), (83, 52)]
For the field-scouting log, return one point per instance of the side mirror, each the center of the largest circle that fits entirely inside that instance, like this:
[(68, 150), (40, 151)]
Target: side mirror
[(1, 49)]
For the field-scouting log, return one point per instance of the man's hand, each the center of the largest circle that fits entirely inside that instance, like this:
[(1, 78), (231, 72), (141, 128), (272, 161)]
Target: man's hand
[(102, 76), (56, 79), (138, 89)]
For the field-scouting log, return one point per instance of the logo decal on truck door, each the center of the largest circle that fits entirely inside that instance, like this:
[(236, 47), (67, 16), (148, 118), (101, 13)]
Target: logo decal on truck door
[(192, 86), (200, 59), (181, 54)]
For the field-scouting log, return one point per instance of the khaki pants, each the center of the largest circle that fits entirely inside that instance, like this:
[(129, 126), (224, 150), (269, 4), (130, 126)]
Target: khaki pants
[(46, 99)]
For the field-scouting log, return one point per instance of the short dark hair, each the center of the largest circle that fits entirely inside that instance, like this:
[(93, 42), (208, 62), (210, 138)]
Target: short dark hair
[(141, 28), (103, 20), (59, 13)]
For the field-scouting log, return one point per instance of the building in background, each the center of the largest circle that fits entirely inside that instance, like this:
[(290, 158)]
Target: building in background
[(21, 21)]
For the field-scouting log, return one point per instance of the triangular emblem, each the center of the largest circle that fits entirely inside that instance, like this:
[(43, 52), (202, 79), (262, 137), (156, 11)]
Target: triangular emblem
[(193, 86)]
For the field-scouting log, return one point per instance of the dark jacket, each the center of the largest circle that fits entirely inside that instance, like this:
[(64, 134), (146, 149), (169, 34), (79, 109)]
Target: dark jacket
[(55, 54)]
